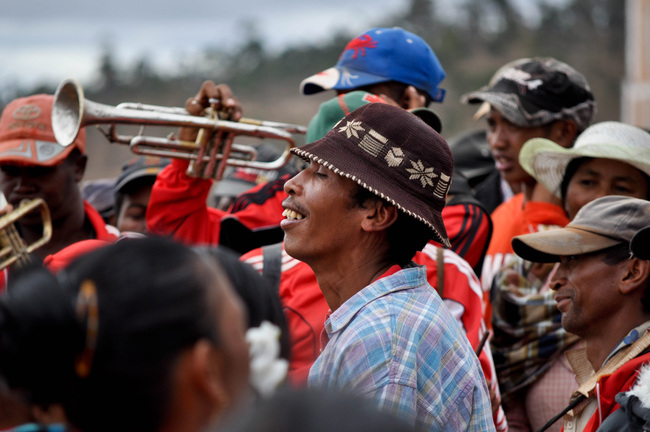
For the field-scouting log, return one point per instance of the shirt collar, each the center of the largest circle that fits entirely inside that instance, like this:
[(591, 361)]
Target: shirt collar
[(410, 276), (628, 340)]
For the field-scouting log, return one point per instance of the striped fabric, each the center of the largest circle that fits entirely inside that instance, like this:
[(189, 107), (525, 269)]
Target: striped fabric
[(394, 341), (528, 333)]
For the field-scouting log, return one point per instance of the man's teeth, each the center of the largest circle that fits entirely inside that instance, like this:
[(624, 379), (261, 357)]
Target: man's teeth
[(290, 214)]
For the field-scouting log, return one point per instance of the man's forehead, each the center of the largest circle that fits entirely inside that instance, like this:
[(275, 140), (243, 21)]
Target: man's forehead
[(27, 167)]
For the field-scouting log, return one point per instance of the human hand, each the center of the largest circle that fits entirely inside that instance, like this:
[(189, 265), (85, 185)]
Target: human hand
[(413, 99), (410, 99), (5, 207), (217, 96)]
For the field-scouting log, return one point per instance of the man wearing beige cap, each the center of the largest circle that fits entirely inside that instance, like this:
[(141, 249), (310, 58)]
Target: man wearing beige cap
[(603, 294), (371, 198), (34, 165)]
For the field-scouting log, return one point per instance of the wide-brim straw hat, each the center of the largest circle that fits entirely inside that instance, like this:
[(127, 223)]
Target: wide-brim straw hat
[(547, 161)]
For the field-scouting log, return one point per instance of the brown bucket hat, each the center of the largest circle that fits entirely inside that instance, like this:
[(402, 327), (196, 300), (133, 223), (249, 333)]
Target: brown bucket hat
[(393, 154)]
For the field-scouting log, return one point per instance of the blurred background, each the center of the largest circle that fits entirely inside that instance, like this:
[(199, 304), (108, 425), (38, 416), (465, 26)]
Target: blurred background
[(160, 52)]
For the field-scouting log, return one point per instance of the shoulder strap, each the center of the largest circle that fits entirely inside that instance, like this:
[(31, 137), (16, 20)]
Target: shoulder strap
[(272, 264)]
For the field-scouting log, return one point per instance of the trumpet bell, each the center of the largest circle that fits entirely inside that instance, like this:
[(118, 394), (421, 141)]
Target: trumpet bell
[(13, 248), (67, 111), (209, 155)]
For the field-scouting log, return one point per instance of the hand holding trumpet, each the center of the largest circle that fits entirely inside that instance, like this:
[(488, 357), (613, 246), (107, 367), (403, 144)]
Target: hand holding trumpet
[(218, 98)]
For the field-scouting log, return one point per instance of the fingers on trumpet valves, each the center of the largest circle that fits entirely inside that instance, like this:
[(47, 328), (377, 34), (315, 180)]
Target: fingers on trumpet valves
[(194, 107)]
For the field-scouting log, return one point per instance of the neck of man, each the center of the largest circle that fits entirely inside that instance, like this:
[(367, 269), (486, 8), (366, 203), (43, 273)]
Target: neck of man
[(604, 338), (66, 230), (348, 273)]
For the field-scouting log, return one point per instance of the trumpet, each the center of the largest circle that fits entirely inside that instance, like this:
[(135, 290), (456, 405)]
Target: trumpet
[(13, 248), (209, 155)]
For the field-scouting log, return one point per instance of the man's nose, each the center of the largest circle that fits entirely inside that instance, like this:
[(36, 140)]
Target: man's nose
[(558, 278), (24, 184), (293, 185)]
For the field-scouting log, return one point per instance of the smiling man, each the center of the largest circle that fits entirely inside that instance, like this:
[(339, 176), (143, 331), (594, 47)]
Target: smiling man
[(371, 197), (603, 294)]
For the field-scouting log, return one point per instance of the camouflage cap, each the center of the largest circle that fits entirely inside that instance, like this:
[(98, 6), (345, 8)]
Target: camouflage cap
[(538, 91)]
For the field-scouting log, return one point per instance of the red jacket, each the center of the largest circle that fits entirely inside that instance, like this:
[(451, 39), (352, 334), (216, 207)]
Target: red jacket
[(622, 380), (178, 207)]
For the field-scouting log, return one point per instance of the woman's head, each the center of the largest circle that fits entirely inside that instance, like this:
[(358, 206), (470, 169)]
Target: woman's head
[(608, 158), (110, 334), (589, 178)]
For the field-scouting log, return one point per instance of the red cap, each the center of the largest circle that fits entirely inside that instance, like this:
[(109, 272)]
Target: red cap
[(26, 134)]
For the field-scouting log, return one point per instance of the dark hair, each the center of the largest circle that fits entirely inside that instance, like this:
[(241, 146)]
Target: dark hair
[(130, 188), (316, 410), (405, 236), (261, 300), (573, 166), (151, 304), (570, 170), (72, 157), (619, 253)]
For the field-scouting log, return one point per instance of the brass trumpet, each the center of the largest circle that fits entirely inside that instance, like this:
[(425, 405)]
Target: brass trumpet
[(209, 155), (13, 248)]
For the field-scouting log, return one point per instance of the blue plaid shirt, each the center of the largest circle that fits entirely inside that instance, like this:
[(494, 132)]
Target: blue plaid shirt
[(395, 341)]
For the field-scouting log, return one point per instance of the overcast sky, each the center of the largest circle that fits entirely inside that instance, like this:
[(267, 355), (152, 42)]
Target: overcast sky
[(49, 40)]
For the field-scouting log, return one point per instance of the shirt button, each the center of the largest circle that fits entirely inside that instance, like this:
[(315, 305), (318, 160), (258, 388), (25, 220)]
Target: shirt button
[(569, 425)]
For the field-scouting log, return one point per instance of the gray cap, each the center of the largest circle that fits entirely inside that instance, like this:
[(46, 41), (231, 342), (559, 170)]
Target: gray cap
[(600, 224)]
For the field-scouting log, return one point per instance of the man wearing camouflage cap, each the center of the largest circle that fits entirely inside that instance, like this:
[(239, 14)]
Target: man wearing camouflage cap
[(527, 98)]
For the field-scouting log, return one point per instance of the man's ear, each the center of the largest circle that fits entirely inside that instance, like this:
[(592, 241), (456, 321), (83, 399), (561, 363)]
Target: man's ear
[(379, 216), (637, 272), (207, 372), (80, 167), (564, 132)]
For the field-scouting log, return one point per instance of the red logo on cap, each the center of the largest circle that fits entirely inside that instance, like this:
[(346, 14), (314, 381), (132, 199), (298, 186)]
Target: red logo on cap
[(360, 44), (27, 112)]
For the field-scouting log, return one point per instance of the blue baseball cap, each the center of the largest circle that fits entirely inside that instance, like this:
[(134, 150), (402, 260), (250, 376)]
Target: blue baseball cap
[(380, 55)]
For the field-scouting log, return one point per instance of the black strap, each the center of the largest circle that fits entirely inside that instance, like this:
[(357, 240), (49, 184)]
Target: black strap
[(569, 407), (272, 264)]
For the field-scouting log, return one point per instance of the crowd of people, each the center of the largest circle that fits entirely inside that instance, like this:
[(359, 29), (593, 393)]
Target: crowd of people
[(384, 279)]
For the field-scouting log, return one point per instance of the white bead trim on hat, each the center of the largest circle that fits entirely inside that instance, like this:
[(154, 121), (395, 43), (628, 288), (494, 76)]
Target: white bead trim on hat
[(307, 156)]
